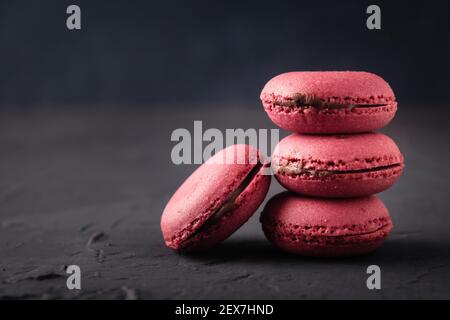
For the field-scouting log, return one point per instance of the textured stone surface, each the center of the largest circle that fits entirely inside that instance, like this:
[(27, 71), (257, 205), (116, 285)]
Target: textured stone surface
[(87, 186)]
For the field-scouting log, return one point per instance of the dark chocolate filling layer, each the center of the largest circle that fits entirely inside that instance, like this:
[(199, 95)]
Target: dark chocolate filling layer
[(323, 173), (305, 101), (229, 205)]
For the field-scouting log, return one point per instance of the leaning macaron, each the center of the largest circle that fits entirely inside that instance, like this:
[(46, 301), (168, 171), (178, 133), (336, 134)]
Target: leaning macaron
[(352, 165), (329, 102), (325, 227), (220, 196)]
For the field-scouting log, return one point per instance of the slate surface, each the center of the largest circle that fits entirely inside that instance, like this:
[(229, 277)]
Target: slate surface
[(87, 186)]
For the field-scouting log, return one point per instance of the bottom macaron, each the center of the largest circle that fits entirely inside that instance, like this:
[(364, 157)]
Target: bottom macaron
[(325, 227)]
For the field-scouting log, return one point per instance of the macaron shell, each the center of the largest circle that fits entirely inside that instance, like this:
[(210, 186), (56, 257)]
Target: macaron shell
[(355, 87), (345, 153), (342, 87), (325, 227), (245, 205), (340, 152), (205, 191)]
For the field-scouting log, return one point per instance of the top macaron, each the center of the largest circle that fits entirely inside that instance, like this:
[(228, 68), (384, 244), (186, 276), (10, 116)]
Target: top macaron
[(329, 102)]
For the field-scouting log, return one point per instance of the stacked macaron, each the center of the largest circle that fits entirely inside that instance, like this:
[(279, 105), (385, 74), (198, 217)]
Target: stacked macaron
[(332, 165), (333, 162)]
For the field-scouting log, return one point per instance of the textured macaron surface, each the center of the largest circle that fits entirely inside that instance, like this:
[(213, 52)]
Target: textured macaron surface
[(326, 227), (338, 152), (347, 87), (213, 192), (329, 102), (337, 165)]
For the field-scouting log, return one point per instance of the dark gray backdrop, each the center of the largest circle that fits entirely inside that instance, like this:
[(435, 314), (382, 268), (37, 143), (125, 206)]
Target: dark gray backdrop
[(151, 52), (85, 124)]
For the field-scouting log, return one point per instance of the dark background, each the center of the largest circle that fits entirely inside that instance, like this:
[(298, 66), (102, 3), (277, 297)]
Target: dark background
[(85, 124), (152, 52)]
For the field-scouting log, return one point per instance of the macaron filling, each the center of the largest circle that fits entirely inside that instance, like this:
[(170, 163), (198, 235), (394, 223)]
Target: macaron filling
[(227, 207), (294, 169), (307, 101)]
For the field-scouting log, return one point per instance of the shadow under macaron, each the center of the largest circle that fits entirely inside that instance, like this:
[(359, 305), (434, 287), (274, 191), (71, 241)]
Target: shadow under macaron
[(395, 250)]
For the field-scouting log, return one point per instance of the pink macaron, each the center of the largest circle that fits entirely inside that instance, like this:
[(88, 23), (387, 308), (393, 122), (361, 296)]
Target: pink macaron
[(329, 102), (352, 165), (220, 196), (325, 227)]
